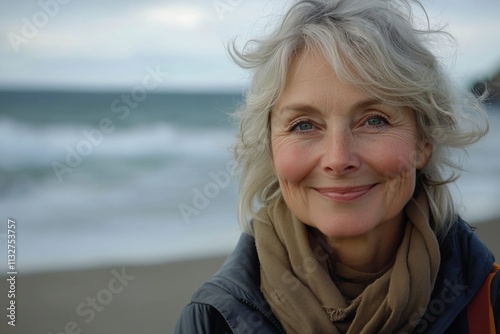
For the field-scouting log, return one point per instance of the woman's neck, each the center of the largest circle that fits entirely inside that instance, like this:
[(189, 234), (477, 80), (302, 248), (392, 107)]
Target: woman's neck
[(372, 251)]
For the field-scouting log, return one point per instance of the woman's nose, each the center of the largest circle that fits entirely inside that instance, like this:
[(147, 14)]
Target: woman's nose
[(339, 154)]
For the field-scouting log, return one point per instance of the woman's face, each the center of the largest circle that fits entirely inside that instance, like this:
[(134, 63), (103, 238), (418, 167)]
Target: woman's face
[(346, 163)]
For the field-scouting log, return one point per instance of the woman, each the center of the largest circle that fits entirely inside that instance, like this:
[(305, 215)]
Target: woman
[(345, 146)]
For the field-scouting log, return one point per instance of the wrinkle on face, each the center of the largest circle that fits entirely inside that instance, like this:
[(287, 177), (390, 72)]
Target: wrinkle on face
[(339, 148)]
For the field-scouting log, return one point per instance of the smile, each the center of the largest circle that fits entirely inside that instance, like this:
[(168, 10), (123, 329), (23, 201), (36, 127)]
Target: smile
[(345, 194)]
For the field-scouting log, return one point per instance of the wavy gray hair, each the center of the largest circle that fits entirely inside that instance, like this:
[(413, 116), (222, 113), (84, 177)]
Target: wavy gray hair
[(374, 45)]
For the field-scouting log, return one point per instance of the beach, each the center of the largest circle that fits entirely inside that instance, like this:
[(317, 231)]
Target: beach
[(125, 299), (118, 123), (149, 303), (137, 218)]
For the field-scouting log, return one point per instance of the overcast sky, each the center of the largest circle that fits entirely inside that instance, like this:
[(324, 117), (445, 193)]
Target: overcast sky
[(108, 44)]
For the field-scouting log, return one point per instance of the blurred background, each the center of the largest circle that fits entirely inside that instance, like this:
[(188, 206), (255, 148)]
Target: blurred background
[(114, 136)]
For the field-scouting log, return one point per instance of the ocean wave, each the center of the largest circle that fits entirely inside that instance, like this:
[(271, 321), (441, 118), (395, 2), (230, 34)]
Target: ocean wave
[(26, 145), (125, 196)]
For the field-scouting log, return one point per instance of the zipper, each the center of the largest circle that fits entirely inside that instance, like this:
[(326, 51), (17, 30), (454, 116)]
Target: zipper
[(258, 309)]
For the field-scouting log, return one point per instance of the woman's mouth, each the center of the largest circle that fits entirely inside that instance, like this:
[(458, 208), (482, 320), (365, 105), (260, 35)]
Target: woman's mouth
[(345, 194)]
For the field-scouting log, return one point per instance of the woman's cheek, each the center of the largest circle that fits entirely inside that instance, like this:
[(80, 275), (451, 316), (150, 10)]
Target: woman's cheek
[(396, 163), (292, 160)]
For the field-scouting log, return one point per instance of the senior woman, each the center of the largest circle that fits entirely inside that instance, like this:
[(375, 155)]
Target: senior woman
[(344, 151)]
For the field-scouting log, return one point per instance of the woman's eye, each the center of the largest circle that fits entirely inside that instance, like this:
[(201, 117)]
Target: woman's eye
[(376, 121), (302, 126)]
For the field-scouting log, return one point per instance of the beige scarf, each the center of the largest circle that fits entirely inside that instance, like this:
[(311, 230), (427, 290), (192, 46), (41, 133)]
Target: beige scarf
[(297, 283)]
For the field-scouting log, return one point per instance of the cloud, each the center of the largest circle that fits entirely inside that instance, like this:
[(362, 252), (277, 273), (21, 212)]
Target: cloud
[(178, 16), (123, 32), (114, 40)]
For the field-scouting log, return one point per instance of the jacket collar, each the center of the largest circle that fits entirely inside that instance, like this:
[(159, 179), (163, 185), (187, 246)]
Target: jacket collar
[(240, 277), (465, 263)]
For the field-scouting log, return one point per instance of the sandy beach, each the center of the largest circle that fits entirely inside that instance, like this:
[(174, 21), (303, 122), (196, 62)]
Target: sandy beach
[(123, 299)]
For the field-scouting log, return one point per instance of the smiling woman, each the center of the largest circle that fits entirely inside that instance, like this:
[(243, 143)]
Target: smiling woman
[(344, 150), (334, 169)]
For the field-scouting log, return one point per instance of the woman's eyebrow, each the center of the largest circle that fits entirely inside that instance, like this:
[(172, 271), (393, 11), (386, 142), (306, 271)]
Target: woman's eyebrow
[(363, 104), (296, 107), (299, 107)]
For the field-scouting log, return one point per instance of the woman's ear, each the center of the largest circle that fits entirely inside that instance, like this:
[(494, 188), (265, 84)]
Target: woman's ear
[(424, 152)]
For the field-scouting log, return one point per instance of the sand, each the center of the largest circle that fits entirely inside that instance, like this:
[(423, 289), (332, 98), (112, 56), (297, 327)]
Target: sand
[(122, 299), (147, 300)]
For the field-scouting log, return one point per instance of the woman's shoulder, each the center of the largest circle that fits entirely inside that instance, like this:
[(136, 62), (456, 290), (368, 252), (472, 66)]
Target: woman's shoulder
[(462, 244), (231, 302), (465, 264), (464, 257), (201, 318)]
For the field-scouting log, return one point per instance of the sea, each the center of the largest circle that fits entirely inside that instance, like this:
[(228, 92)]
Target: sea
[(99, 179)]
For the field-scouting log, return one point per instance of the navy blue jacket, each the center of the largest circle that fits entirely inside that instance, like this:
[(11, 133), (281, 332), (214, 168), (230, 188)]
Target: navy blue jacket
[(231, 302)]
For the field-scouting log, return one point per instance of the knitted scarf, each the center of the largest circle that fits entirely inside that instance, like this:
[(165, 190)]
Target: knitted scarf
[(303, 293)]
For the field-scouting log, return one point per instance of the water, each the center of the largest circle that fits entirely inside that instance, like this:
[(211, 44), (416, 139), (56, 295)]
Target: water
[(94, 182), (119, 201)]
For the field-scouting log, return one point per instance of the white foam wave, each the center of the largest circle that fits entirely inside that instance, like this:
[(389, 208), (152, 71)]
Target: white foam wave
[(28, 145)]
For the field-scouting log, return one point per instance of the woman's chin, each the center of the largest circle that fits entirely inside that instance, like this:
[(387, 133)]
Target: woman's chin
[(345, 228)]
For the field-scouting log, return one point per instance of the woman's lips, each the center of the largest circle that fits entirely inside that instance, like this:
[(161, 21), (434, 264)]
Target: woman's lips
[(345, 194)]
